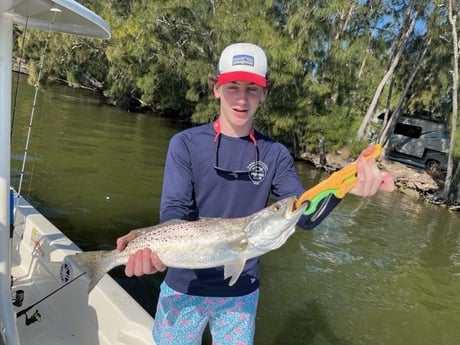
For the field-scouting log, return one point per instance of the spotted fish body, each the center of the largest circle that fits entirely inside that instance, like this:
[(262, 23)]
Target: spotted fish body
[(205, 243)]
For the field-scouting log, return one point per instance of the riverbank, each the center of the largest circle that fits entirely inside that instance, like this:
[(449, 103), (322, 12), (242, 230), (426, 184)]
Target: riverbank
[(412, 181)]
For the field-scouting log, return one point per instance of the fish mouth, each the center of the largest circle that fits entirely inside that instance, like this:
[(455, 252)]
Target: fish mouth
[(294, 210), (289, 204), (275, 238)]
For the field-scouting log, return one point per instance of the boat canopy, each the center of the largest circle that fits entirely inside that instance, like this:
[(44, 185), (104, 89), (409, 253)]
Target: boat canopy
[(71, 17)]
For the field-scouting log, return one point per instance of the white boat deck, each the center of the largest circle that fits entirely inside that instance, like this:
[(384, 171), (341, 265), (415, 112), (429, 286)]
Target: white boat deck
[(41, 264), (41, 255)]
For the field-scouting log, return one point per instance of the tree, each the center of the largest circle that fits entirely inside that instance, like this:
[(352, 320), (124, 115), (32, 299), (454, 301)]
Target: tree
[(407, 27), (390, 126), (330, 62), (455, 46)]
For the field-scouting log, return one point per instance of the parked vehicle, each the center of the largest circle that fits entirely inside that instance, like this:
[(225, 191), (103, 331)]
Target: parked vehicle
[(420, 141)]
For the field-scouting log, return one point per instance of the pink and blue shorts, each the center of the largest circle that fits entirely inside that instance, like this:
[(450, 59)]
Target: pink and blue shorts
[(181, 319)]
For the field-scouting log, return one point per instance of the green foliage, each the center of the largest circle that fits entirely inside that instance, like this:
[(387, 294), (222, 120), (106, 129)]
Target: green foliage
[(457, 145), (357, 147), (326, 60)]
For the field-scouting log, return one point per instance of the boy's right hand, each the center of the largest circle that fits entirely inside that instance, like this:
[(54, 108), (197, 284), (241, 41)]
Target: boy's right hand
[(144, 261)]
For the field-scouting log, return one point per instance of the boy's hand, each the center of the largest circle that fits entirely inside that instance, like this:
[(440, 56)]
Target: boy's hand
[(370, 178), (144, 261)]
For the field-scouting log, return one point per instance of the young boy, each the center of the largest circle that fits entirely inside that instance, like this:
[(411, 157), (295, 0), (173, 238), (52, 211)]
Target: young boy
[(226, 169)]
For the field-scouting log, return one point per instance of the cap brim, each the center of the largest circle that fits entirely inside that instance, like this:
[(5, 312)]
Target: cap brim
[(229, 77)]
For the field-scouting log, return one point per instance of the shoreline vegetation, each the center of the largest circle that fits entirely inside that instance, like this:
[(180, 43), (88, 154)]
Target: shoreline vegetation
[(411, 181), (341, 73)]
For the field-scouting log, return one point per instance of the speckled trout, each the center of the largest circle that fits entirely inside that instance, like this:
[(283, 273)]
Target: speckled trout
[(205, 243)]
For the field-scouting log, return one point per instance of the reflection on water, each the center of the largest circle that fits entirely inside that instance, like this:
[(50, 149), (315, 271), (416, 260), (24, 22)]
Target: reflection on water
[(377, 271), (94, 170), (381, 270)]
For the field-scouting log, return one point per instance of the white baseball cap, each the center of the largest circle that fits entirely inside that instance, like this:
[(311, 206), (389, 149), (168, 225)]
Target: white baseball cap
[(242, 62)]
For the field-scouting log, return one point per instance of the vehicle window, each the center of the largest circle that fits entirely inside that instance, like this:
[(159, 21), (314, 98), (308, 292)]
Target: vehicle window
[(408, 130)]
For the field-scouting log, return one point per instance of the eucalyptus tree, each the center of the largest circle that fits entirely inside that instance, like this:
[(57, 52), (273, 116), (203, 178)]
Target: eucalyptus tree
[(453, 12), (151, 51), (388, 127), (330, 62), (315, 68), (423, 74), (411, 10), (78, 61), (427, 77)]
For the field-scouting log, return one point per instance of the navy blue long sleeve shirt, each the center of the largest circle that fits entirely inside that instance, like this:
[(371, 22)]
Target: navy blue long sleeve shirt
[(194, 188)]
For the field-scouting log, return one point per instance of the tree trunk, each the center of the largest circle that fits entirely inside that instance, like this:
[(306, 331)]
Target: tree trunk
[(394, 63), (388, 129), (455, 45)]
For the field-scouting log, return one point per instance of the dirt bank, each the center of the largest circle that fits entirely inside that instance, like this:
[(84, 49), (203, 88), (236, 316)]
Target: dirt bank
[(412, 181)]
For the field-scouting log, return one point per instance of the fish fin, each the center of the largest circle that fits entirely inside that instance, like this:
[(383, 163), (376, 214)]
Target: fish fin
[(234, 270), (95, 264)]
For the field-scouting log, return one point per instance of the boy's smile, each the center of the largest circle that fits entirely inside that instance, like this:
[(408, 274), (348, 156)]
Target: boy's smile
[(239, 101)]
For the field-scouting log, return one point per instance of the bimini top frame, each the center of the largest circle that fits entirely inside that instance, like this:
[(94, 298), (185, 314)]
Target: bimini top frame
[(65, 16)]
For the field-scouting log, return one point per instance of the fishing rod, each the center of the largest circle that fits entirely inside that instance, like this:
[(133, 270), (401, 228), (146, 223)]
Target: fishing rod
[(19, 69), (13, 200), (34, 103), (36, 316)]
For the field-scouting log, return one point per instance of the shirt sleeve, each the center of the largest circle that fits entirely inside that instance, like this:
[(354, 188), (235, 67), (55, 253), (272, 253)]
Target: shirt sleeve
[(285, 180), (177, 201)]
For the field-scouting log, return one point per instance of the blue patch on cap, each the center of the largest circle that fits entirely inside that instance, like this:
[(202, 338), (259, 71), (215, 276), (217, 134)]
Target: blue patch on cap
[(242, 59)]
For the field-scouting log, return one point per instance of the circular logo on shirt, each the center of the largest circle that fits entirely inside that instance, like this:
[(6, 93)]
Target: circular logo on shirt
[(257, 171)]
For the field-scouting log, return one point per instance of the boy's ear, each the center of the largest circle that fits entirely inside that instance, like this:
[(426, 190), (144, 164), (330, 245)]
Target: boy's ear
[(216, 90), (265, 94)]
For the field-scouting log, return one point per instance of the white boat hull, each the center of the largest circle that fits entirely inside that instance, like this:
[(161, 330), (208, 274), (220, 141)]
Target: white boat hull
[(41, 265), (37, 256)]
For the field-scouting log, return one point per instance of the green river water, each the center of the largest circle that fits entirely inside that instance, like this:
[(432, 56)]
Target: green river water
[(380, 270)]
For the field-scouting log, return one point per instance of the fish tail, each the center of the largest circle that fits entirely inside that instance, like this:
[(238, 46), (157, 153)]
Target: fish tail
[(95, 264)]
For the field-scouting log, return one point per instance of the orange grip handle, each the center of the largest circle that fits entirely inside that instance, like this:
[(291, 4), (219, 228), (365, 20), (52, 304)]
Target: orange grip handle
[(339, 183)]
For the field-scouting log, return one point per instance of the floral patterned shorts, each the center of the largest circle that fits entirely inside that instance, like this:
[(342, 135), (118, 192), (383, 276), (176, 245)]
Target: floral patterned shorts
[(181, 319)]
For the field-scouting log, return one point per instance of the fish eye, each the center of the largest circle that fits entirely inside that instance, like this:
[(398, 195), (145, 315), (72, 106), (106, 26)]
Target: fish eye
[(276, 207)]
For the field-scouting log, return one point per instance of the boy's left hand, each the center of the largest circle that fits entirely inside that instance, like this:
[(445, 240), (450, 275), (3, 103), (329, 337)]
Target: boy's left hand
[(370, 178)]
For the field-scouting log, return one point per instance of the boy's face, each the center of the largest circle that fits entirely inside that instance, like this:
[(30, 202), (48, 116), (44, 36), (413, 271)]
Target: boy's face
[(239, 101)]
